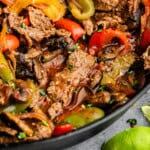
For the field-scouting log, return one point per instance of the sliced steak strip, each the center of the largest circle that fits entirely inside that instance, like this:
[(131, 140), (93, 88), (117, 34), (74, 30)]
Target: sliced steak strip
[(64, 83), (40, 28), (114, 14), (7, 130), (109, 5)]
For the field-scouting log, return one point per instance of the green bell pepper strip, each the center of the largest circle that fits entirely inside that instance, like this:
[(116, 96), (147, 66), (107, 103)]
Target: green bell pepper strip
[(87, 9), (5, 72), (84, 117), (20, 107), (76, 120)]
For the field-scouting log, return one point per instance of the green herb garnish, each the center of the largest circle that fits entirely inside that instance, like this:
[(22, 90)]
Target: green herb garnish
[(18, 70), (132, 122), (101, 87), (111, 101), (84, 37), (21, 135), (100, 30), (23, 25), (71, 51), (76, 46), (70, 67), (42, 92), (89, 105), (135, 84), (44, 122)]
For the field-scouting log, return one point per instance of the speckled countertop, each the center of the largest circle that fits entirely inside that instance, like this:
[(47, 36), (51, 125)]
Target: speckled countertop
[(95, 142)]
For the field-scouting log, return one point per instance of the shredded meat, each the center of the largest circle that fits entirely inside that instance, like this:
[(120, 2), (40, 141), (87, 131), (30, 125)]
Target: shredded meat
[(5, 92), (109, 5), (89, 26), (40, 28), (101, 98), (21, 124), (114, 14), (27, 122), (146, 57), (55, 110), (40, 74), (65, 82), (107, 20), (7, 130)]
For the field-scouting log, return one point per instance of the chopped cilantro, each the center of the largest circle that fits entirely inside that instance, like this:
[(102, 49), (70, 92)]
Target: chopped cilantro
[(42, 92), (84, 37), (99, 59), (18, 70), (132, 122), (111, 101), (23, 26), (71, 51), (100, 30), (89, 105), (101, 87), (70, 67), (21, 135), (44, 122), (76, 46), (135, 84)]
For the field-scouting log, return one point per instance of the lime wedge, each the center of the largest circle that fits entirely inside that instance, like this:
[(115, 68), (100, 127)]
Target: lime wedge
[(146, 111), (137, 138)]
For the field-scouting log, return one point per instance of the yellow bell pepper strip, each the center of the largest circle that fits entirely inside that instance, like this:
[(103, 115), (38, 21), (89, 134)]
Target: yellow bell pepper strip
[(52, 8), (3, 44), (81, 9), (5, 72), (20, 107), (76, 30), (19, 5)]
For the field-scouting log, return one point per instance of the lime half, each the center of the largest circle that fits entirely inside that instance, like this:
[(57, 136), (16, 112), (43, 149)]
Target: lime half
[(146, 111), (137, 138)]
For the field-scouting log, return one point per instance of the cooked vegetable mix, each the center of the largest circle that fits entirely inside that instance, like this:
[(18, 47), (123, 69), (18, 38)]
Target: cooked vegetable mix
[(65, 64)]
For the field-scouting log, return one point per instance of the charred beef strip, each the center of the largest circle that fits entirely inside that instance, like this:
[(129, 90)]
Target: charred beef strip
[(65, 82), (109, 5), (114, 14), (7, 130), (146, 57), (40, 28), (29, 123), (5, 92)]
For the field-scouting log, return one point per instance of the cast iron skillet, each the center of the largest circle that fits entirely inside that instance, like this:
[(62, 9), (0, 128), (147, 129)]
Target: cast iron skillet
[(79, 135)]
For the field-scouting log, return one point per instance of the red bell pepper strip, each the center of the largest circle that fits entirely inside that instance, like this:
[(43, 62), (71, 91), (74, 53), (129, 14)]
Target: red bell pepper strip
[(100, 39), (145, 25), (145, 39), (62, 129), (7, 2), (146, 3), (12, 42), (26, 19), (76, 30)]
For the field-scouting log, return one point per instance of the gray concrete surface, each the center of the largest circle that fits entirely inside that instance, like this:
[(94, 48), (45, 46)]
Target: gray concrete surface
[(95, 142)]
